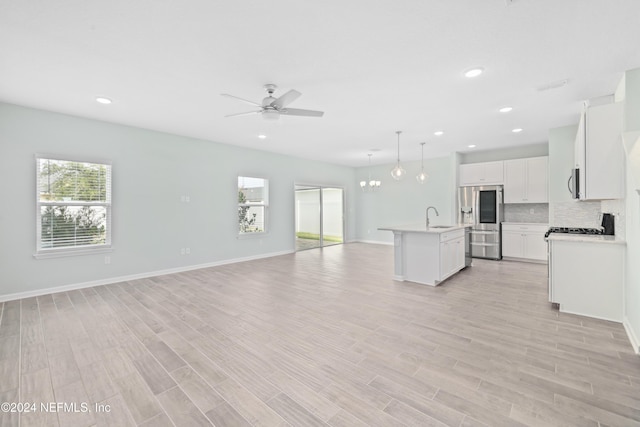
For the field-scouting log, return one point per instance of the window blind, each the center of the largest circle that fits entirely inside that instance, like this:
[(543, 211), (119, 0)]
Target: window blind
[(73, 204)]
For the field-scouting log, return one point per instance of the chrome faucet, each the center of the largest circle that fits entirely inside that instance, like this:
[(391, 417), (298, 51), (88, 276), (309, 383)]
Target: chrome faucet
[(437, 214)]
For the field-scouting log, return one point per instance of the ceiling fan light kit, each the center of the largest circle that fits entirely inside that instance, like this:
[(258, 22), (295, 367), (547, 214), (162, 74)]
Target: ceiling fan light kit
[(268, 114), (398, 171), (271, 108)]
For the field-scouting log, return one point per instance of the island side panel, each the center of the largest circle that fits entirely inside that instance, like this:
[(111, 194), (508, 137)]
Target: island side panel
[(421, 253), (398, 258)]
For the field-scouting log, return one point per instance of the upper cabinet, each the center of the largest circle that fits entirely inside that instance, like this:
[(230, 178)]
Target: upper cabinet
[(599, 153), (526, 180), (488, 173)]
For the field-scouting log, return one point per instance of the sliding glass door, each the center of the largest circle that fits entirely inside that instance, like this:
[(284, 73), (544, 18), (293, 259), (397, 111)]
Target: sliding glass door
[(319, 216)]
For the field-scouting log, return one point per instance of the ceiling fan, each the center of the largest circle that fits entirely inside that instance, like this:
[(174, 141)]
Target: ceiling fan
[(271, 107)]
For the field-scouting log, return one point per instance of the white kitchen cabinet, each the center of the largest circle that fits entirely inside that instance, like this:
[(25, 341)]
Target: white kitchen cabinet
[(427, 256), (487, 173), (586, 275), (599, 153), (524, 241), (526, 180), (451, 255)]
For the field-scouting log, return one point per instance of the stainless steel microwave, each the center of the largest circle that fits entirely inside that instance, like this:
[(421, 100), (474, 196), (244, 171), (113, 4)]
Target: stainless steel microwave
[(574, 183)]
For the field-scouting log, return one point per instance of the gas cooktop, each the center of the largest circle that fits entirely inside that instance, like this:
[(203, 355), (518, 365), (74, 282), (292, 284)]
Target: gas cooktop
[(573, 230)]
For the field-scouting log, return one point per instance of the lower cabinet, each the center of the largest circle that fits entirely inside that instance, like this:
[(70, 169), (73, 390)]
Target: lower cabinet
[(524, 241), (586, 276), (451, 257), (451, 253)]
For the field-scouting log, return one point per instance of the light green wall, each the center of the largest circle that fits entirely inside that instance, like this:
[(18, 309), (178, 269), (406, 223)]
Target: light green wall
[(405, 202), (632, 225), (632, 266), (509, 153), (151, 171), (632, 100)]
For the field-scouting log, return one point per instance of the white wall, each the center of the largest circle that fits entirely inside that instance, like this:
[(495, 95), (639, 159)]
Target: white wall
[(332, 201), (405, 202), (151, 171), (308, 211)]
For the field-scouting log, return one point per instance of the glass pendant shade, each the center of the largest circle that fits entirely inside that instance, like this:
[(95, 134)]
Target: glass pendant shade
[(398, 172), (422, 177)]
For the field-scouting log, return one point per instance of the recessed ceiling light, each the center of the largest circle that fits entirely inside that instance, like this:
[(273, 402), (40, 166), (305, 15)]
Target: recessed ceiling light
[(262, 136), (505, 109), (103, 100), (517, 130), (472, 146), (473, 72), (438, 133)]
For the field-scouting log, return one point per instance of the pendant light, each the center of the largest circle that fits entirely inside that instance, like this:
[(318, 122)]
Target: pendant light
[(422, 177), (370, 184), (398, 172)]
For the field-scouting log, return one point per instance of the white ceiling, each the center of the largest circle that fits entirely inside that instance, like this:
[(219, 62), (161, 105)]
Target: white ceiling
[(373, 66)]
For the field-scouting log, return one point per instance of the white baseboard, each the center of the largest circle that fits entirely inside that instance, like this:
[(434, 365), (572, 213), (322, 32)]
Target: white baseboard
[(532, 261), (562, 309), (375, 242), (107, 281), (632, 335)]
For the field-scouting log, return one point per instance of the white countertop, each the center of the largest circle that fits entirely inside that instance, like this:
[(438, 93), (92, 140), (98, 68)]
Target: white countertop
[(586, 238), (422, 228)]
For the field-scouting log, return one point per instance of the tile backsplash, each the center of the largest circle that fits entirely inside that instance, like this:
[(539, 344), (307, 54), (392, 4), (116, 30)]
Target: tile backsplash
[(587, 214), (526, 212), (576, 214)]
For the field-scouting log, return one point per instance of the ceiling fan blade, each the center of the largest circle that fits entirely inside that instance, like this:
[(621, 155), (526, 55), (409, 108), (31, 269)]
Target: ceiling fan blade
[(299, 112), (255, 104), (244, 114), (286, 99)]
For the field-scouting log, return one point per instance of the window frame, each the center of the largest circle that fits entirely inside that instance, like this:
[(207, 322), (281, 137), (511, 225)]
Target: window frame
[(43, 253), (264, 205)]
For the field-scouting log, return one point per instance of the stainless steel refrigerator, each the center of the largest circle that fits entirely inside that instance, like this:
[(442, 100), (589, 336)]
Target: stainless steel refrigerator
[(482, 208)]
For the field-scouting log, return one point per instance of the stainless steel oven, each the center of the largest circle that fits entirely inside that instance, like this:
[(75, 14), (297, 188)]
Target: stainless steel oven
[(482, 208)]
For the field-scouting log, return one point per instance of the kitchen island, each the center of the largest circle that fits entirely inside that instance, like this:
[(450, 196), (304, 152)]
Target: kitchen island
[(428, 255)]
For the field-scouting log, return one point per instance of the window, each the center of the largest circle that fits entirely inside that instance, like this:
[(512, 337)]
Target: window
[(73, 207), (253, 203)]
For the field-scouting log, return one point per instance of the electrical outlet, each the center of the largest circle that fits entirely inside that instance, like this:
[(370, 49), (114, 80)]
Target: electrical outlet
[(182, 251), (532, 211), (107, 259), (187, 199), (188, 251), (183, 198)]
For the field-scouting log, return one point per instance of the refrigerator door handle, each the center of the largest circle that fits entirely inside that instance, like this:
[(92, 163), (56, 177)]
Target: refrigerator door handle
[(499, 197), (476, 204)]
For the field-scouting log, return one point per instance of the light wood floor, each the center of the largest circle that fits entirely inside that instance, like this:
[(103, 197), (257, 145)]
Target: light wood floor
[(320, 337)]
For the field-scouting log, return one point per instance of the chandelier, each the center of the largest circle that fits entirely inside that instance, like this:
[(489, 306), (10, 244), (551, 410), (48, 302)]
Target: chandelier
[(370, 184)]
